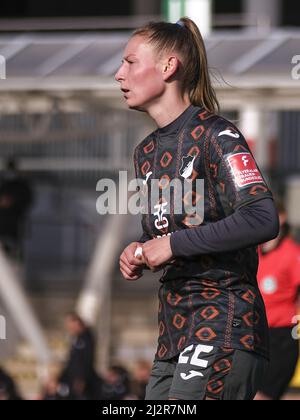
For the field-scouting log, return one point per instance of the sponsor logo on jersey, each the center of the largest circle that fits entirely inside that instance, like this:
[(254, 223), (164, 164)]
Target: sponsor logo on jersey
[(230, 133)]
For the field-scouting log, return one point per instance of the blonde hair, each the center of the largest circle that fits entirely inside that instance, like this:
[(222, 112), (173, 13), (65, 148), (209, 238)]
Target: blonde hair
[(185, 38)]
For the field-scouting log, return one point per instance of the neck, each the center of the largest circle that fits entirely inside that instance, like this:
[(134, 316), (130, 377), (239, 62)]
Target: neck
[(168, 108)]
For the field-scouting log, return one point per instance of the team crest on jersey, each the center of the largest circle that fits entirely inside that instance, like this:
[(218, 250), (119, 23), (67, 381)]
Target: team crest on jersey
[(187, 166)]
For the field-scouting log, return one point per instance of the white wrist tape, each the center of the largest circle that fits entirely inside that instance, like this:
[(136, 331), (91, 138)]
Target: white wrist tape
[(138, 252)]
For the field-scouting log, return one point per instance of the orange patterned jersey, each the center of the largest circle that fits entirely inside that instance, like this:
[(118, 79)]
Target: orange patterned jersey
[(210, 298)]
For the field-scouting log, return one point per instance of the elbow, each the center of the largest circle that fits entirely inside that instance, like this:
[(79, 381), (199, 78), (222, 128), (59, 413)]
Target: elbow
[(264, 220), (272, 228), (277, 227)]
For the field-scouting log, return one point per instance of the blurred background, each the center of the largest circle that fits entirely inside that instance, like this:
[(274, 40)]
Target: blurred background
[(64, 126)]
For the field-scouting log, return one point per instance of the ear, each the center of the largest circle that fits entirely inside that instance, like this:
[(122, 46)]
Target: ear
[(170, 67)]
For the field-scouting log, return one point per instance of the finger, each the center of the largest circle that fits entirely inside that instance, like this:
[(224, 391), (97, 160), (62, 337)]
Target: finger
[(132, 261), (126, 269), (135, 270), (130, 273), (141, 259), (125, 261), (135, 252), (131, 278), (128, 277), (138, 252)]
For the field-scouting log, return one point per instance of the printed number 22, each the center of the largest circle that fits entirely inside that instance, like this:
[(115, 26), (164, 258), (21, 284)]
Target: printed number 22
[(194, 360)]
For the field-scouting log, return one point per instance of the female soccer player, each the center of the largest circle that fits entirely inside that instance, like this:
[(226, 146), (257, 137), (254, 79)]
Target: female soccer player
[(212, 324)]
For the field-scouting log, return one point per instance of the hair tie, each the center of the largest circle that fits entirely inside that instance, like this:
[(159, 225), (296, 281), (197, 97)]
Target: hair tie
[(180, 23)]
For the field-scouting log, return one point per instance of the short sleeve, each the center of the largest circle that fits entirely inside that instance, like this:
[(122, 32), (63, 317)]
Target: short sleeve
[(234, 169)]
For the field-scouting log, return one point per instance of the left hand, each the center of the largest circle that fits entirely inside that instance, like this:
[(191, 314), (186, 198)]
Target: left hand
[(157, 252)]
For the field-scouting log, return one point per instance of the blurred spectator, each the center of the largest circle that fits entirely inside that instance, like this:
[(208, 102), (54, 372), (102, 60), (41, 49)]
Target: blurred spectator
[(16, 197), (141, 377), (8, 391), (50, 390), (279, 282), (116, 385), (54, 391), (79, 374)]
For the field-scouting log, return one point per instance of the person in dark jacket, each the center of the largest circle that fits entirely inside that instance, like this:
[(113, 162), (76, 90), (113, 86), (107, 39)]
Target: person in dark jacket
[(79, 373), (116, 384), (8, 390), (16, 198)]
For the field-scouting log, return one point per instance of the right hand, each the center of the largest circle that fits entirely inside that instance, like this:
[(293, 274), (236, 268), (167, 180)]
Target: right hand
[(131, 267)]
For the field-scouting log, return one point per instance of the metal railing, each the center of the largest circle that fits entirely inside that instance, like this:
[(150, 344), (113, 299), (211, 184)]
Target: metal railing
[(76, 23), (117, 23)]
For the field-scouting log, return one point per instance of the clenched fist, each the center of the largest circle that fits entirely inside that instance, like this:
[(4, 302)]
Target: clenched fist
[(130, 266)]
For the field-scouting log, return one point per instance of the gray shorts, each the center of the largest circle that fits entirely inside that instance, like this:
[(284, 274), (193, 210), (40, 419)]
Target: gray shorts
[(205, 372)]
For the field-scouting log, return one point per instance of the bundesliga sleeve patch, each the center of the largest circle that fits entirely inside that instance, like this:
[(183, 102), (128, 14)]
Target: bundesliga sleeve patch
[(244, 169)]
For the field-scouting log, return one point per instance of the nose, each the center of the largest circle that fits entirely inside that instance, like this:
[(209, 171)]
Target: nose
[(119, 76)]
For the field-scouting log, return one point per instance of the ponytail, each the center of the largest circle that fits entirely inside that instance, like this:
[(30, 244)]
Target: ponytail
[(202, 91), (185, 38)]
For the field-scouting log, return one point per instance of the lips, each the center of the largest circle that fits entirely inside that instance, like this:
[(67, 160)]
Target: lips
[(125, 91)]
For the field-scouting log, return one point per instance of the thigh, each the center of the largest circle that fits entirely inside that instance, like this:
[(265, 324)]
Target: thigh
[(284, 357), (160, 380), (217, 373), (245, 377), (193, 372)]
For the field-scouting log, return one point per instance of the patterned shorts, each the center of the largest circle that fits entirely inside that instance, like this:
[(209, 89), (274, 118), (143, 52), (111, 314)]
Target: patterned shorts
[(204, 372)]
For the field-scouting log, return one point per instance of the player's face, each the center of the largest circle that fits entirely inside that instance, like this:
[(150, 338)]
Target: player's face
[(140, 75)]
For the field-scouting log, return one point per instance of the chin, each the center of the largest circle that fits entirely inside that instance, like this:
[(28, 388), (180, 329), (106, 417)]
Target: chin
[(136, 107)]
